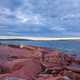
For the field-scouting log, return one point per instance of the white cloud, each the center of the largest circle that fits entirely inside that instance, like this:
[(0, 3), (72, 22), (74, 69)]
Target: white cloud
[(5, 11), (20, 16), (71, 16), (6, 16), (72, 33), (25, 14), (29, 18), (57, 29)]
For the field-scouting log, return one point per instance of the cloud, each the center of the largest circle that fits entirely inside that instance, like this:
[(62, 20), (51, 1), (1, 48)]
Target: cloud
[(5, 11), (29, 18), (57, 29), (41, 16), (23, 14), (71, 33)]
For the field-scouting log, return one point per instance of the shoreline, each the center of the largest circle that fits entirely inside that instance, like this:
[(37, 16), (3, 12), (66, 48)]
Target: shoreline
[(38, 38)]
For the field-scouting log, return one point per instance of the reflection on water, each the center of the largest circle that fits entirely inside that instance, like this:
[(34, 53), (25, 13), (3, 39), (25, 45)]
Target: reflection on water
[(65, 45)]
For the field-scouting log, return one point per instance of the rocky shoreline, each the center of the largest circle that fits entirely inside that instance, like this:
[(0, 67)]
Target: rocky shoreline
[(20, 62)]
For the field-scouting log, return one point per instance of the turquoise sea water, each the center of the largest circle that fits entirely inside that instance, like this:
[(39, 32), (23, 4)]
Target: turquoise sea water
[(72, 46)]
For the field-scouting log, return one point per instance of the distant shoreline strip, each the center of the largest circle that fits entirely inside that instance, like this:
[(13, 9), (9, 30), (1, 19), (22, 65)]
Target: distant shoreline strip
[(38, 38)]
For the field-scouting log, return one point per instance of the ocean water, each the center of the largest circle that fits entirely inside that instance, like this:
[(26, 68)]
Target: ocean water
[(71, 46)]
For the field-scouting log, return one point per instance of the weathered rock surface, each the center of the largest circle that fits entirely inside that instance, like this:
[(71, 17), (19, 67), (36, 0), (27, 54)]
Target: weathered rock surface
[(37, 63)]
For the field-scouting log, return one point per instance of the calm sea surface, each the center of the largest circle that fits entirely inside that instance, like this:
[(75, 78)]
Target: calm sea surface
[(72, 46)]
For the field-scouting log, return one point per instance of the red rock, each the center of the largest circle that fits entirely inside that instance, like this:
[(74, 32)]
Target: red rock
[(38, 63)]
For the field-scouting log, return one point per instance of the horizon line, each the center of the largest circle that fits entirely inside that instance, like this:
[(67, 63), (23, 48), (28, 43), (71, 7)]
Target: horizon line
[(40, 38)]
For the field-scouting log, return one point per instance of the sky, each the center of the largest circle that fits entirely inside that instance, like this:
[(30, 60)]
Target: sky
[(40, 17)]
